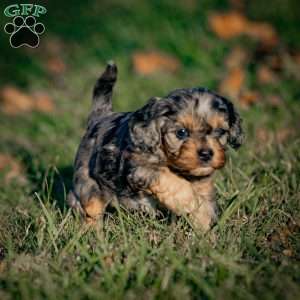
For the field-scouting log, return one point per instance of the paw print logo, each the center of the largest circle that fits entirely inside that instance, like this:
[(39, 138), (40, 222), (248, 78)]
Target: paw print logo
[(24, 32)]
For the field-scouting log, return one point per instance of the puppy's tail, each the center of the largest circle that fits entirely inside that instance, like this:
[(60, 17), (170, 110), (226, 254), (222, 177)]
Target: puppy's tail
[(102, 94)]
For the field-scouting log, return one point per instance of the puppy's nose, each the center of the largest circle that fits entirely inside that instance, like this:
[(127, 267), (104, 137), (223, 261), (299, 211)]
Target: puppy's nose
[(205, 155)]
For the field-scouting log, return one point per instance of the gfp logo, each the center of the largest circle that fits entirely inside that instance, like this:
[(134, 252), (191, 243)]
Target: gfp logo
[(24, 30)]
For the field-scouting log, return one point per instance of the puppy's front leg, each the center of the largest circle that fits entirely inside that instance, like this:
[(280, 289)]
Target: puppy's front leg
[(172, 191), (177, 194), (205, 213)]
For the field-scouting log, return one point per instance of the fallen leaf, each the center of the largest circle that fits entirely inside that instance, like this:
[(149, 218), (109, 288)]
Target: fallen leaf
[(146, 63), (236, 58), (249, 98), (265, 75), (43, 102), (12, 168), (55, 65), (279, 238), (53, 51), (263, 32), (233, 82), (233, 24), (227, 25), (14, 101)]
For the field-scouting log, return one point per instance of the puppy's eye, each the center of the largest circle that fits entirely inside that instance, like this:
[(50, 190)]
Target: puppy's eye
[(182, 133), (220, 131)]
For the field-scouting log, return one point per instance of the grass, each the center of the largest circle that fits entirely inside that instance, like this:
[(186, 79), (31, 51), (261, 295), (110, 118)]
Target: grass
[(46, 252)]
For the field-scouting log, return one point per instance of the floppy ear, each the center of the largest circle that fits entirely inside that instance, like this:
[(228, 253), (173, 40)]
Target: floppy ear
[(236, 135), (145, 124)]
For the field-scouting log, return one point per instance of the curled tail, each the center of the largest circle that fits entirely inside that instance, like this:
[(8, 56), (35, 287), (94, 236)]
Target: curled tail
[(102, 94)]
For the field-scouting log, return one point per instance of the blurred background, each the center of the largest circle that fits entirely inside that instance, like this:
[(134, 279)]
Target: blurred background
[(249, 51)]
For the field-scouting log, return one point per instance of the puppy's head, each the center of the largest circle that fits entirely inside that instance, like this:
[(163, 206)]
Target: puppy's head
[(190, 128)]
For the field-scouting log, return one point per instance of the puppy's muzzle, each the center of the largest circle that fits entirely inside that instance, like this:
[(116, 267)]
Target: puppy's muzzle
[(205, 155)]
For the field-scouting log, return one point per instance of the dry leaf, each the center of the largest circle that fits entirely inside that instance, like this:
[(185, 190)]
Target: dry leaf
[(11, 167), (14, 101), (278, 239), (266, 75), (233, 82), (146, 63), (263, 32), (233, 24), (228, 25), (248, 98), (236, 58), (55, 65), (53, 50), (43, 102)]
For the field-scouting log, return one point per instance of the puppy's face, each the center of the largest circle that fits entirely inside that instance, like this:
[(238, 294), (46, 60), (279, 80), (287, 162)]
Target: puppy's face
[(192, 128)]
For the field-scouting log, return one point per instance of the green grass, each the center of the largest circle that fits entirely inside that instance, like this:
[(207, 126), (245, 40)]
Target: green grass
[(45, 251)]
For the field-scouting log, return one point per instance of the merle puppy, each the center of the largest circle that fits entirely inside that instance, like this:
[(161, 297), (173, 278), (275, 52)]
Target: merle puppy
[(162, 155)]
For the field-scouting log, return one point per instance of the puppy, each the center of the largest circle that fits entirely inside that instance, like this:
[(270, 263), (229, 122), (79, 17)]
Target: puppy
[(162, 155)]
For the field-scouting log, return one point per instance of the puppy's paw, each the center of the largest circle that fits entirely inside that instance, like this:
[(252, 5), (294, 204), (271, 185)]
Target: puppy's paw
[(141, 178), (204, 217)]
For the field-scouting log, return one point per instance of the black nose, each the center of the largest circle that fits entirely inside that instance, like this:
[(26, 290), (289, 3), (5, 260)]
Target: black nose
[(205, 154)]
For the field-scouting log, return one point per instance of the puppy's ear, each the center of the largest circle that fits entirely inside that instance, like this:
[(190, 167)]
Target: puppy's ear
[(146, 123), (236, 135)]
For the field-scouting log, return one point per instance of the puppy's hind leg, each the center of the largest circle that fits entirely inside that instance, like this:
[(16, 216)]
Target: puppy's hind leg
[(87, 198)]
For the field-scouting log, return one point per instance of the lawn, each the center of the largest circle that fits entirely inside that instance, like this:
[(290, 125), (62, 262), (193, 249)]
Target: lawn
[(253, 252)]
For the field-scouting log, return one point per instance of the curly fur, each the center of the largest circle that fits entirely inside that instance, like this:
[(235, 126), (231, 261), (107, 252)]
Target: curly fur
[(136, 159)]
